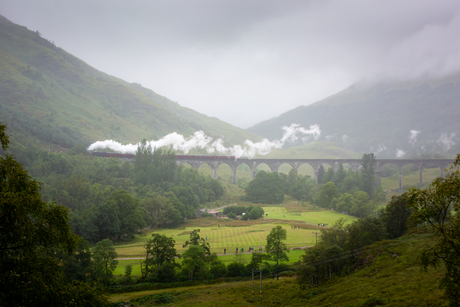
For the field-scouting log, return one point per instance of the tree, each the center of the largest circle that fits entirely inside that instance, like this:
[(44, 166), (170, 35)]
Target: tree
[(314, 269), (196, 240), (395, 216), (360, 206), (328, 175), (235, 269), (104, 260), (368, 173), (218, 268), (276, 248), (364, 232), (326, 194), (344, 203), (339, 175), (161, 210), (31, 233), (256, 260), (301, 187), (434, 207), (143, 163), (160, 250), (336, 235), (255, 213), (78, 265), (266, 188), (193, 261), (129, 214), (321, 173)]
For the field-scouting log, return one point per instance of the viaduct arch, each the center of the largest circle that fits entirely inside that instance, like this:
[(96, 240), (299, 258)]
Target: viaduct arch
[(274, 165)]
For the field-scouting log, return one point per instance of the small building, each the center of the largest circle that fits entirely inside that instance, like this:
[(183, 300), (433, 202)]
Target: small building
[(214, 213), (199, 212)]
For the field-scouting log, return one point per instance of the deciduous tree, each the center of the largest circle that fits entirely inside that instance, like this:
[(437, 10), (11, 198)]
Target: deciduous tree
[(434, 207), (368, 173), (160, 250), (193, 261), (276, 248), (395, 216), (195, 239), (266, 188), (31, 232), (105, 260)]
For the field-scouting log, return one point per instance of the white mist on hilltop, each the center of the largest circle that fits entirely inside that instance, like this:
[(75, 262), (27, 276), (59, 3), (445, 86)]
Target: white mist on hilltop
[(199, 140)]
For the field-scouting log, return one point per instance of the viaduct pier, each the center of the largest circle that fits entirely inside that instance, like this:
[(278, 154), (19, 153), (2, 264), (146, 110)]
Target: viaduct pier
[(274, 164)]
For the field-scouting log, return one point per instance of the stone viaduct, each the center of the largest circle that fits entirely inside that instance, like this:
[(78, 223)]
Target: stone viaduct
[(274, 164)]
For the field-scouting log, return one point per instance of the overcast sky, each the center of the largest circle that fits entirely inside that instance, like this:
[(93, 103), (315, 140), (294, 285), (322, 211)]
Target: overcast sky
[(245, 61)]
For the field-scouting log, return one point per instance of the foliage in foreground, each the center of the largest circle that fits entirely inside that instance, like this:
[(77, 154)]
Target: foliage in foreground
[(391, 277), (31, 233), (434, 207)]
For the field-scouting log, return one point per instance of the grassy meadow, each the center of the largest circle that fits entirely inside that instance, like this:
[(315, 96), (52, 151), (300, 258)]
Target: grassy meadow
[(410, 179), (221, 238), (294, 256), (392, 278), (311, 217), (238, 234)]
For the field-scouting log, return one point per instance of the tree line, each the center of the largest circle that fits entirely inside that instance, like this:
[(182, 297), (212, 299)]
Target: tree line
[(109, 198), (343, 190), (341, 244)]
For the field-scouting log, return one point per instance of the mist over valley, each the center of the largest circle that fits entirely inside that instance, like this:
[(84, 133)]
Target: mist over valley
[(340, 193)]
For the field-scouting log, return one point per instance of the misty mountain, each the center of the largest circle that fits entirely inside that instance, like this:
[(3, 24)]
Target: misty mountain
[(49, 96), (390, 119)]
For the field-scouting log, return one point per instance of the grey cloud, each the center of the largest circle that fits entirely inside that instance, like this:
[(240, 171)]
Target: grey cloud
[(245, 61)]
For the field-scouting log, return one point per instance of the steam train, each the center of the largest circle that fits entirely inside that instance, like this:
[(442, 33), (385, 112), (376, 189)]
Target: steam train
[(178, 157)]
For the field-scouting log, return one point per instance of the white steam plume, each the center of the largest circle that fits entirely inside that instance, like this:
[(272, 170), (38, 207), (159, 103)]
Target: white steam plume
[(446, 141), (413, 136), (199, 140), (381, 147), (400, 153)]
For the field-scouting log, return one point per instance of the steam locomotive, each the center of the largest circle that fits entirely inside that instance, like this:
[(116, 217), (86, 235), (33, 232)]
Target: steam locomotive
[(178, 157)]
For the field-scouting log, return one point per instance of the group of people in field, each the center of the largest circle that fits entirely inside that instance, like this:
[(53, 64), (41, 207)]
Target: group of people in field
[(251, 249)]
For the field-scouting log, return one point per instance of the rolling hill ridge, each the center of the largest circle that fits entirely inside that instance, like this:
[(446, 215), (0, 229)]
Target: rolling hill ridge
[(389, 119), (49, 96)]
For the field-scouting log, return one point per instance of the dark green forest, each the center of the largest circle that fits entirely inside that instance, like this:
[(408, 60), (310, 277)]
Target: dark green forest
[(109, 198)]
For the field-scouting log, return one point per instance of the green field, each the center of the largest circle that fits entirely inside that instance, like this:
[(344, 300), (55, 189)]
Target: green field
[(311, 217), (410, 179), (221, 238), (394, 280), (294, 256)]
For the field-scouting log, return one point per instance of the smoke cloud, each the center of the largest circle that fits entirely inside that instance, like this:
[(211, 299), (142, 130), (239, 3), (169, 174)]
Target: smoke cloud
[(400, 153), (446, 141), (413, 136), (199, 140), (381, 147)]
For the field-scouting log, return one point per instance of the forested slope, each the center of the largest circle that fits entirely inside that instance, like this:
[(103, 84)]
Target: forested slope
[(52, 97), (379, 118)]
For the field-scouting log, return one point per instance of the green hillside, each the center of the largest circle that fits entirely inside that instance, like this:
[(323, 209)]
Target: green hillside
[(314, 150), (379, 118), (391, 276), (53, 97)]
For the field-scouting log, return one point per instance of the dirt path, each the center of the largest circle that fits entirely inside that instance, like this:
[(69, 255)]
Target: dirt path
[(225, 206)]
